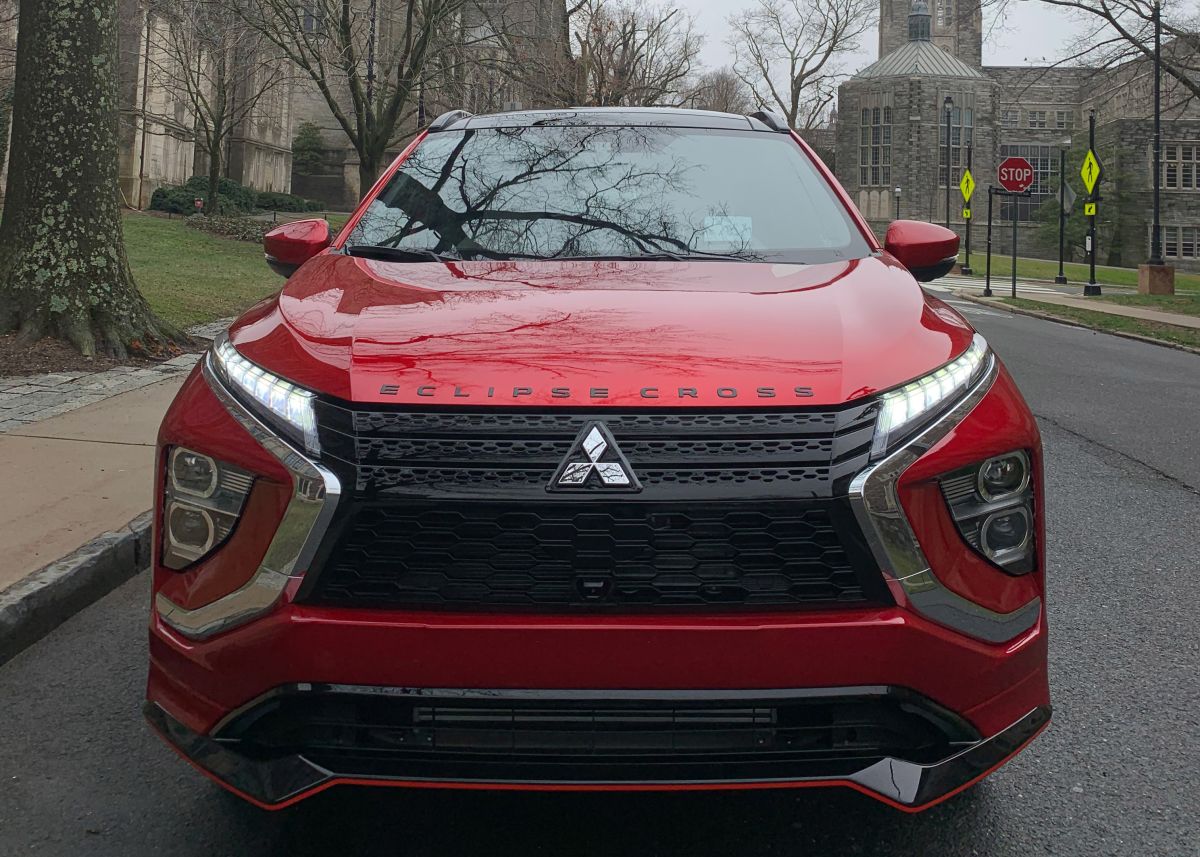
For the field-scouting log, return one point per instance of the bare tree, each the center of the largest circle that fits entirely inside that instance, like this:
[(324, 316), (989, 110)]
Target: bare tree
[(219, 67), (1123, 30), (609, 53), (368, 60), (722, 90), (790, 52)]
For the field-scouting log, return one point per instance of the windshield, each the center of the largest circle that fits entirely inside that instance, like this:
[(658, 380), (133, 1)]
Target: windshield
[(609, 192)]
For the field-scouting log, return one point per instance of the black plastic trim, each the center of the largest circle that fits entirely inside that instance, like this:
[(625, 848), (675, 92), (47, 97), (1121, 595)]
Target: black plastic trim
[(273, 781)]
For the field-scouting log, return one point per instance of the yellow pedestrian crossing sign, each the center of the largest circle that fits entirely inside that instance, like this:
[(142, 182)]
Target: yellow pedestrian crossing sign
[(1089, 209), (967, 185), (1090, 171)]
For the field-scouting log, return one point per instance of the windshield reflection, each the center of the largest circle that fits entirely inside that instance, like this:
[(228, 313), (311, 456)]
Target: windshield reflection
[(594, 192)]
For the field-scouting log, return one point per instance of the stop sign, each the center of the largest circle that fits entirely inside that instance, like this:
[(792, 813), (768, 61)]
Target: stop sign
[(1015, 175)]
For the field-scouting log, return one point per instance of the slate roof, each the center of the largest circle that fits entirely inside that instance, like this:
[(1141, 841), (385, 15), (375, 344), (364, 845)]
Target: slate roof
[(919, 59)]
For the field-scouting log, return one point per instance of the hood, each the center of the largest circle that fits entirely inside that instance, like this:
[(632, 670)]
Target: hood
[(650, 334)]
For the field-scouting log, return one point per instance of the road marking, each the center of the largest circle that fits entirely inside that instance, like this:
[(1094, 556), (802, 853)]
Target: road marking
[(975, 309)]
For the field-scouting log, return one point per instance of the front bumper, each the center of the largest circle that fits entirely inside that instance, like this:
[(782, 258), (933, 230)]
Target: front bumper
[(276, 781)]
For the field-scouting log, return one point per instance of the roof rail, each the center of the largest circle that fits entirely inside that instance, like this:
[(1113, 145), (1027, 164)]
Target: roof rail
[(772, 120), (448, 119)]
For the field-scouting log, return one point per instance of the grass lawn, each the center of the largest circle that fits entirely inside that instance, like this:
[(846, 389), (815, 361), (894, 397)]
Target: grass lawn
[(1047, 269), (190, 277), (1185, 304), (1105, 321)]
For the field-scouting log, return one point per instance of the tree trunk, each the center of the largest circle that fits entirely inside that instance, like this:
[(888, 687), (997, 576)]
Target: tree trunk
[(212, 205), (63, 268), (369, 170)]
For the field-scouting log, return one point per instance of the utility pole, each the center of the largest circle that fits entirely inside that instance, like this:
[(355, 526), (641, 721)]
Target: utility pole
[(1061, 279), (949, 106)]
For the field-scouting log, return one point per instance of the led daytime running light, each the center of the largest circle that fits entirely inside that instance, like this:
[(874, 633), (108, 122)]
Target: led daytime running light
[(279, 398), (908, 406)]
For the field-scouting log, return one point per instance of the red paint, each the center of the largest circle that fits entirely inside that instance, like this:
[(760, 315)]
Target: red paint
[(297, 242), (915, 244), (1015, 175), (622, 334)]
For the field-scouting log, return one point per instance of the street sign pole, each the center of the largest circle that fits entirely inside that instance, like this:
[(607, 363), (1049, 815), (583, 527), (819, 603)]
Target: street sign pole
[(987, 276), (1061, 279), (966, 268), (1091, 289), (1013, 202)]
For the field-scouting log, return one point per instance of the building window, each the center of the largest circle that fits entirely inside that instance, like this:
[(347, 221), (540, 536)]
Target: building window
[(944, 13), (962, 133), (1037, 118), (1044, 160), (875, 142), (1063, 119), (1180, 166), (1009, 118), (1181, 242)]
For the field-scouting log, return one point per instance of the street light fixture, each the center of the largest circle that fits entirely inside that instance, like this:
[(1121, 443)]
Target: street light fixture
[(949, 104), (897, 193)]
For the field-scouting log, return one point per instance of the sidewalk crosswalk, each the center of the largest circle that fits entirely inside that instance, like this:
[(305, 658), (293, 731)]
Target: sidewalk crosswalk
[(946, 284)]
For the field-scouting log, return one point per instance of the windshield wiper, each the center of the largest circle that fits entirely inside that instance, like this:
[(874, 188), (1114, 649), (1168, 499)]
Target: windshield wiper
[(396, 254)]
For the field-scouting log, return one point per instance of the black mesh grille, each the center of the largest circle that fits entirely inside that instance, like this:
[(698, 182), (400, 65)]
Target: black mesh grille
[(738, 509), (592, 555)]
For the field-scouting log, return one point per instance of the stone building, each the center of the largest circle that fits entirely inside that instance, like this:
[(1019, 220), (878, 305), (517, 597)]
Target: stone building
[(891, 136), (156, 131)]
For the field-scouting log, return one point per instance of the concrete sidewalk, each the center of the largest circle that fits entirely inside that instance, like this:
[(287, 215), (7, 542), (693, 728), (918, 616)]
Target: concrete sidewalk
[(71, 477), (1046, 296)]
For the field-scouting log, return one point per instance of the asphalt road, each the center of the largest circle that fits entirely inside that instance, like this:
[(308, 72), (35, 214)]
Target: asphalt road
[(1115, 774)]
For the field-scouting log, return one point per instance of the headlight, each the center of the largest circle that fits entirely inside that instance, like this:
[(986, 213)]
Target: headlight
[(282, 402), (909, 407), (992, 506), (202, 501)]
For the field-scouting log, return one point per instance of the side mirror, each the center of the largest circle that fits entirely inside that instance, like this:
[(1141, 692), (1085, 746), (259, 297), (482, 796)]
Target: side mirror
[(291, 245), (928, 251)]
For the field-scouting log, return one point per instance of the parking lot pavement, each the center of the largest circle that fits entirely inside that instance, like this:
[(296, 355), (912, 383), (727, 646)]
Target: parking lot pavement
[(1114, 775)]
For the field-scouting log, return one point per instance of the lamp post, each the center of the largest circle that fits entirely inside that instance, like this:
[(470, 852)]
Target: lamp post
[(897, 193), (1156, 234), (949, 104), (1061, 278)]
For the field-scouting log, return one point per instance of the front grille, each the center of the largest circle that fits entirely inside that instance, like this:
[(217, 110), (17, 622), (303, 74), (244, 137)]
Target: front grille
[(727, 456), (589, 555), (449, 510), (515, 735)]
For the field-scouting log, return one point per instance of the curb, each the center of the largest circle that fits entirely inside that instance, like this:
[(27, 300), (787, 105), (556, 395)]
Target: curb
[(995, 304), (32, 608)]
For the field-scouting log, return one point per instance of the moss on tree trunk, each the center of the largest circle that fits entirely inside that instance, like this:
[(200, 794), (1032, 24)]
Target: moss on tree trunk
[(63, 269)]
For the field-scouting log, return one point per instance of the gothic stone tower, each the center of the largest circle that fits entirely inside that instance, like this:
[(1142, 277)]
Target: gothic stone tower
[(956, 25)]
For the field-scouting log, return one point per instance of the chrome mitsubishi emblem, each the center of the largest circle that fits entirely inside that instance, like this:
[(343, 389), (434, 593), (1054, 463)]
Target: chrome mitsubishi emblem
[(595, 463)]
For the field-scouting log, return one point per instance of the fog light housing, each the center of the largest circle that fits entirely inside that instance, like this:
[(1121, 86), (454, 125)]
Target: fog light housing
[(1004, 476), (202, 501), (992, 506)]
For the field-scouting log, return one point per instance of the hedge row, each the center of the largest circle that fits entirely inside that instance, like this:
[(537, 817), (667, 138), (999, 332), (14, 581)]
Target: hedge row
[(238, 228), (232, 197)]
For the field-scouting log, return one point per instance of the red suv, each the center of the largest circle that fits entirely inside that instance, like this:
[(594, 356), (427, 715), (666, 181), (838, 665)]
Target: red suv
[(602, 449)]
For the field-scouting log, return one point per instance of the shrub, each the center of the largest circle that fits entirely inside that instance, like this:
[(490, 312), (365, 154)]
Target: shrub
[(237, 228), (308, 150), (231, 197), (287, 202)]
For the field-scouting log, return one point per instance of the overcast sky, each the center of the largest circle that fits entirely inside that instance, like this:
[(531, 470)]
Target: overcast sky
[(1033, 34)]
